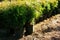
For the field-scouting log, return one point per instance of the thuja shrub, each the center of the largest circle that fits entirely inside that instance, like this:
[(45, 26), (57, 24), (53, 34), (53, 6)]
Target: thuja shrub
[(14, 17)]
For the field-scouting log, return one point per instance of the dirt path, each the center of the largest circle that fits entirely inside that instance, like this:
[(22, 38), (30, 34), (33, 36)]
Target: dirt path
[(46, 30)]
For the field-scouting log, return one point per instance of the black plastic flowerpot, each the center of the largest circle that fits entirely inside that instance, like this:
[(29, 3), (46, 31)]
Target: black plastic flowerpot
[(29, 29)]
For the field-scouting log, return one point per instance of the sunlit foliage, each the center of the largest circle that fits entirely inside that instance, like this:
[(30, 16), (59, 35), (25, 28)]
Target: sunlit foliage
[(38, 5)]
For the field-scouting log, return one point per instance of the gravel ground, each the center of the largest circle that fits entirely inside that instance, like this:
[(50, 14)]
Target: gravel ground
[(46, 30)]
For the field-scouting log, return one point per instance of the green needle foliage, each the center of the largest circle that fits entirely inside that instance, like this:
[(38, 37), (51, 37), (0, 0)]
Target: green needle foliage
[(16, 16)]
